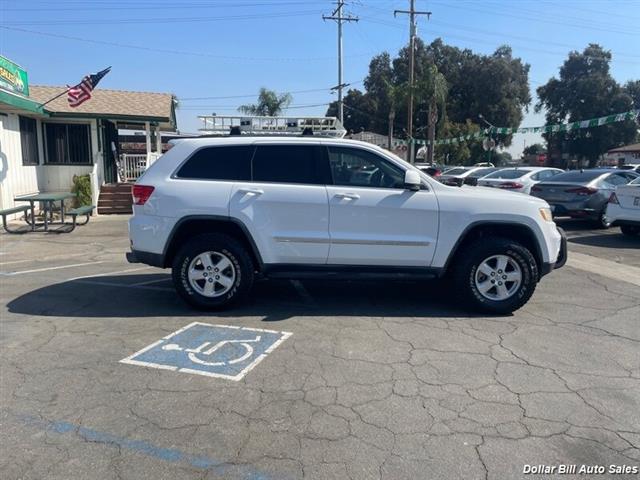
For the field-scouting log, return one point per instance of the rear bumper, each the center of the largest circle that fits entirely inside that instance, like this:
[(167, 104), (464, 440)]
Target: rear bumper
[(562, 256), (148, 258), (622, 221)]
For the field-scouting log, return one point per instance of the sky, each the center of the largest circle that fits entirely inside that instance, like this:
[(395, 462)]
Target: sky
[(215, 54)]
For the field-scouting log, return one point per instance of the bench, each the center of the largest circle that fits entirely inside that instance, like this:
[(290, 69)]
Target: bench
[(23, 208), (84, 210)]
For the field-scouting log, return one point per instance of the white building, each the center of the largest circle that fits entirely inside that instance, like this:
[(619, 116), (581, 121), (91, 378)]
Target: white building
[(43, 147)]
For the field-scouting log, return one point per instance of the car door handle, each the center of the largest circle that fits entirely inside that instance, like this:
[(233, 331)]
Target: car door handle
[(251, 191), (348, 196)]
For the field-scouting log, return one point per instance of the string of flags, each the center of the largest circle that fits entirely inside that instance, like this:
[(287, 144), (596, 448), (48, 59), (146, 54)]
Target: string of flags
[(561, 127)]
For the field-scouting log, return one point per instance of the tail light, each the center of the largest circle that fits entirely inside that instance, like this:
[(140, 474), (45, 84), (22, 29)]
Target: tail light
[(535, 188), (614, 199), (510, 185), (584, 191), (141, 194)]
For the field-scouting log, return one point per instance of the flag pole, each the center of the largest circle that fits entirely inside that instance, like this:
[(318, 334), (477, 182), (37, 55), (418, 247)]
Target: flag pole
[(59, 95), (106, 70)]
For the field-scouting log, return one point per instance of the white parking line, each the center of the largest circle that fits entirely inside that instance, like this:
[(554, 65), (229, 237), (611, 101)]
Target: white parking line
[(606, 268), (46, 269), (41, 259), (106, 274), (124, 285)]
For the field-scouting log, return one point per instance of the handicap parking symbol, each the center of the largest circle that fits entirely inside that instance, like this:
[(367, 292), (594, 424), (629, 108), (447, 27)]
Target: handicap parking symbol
[(222, 351)]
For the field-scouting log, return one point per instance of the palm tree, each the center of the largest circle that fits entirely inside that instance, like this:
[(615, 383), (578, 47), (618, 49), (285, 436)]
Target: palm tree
[(269, 104), (433, 88), (397, 95)]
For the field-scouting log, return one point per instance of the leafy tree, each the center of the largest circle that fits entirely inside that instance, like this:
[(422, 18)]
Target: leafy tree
[(461, 153), (535, 149), (358, 111), (269, 103), (632, 88), (586, 90)]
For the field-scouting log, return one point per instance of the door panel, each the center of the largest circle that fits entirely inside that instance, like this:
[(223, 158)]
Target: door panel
[(382, 226), (289, 223)]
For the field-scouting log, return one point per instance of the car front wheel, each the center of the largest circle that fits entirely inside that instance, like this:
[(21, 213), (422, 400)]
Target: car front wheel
[(212, 271), (630, 230), (495, 275)]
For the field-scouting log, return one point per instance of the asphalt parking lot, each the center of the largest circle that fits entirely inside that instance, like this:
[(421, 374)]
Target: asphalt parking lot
[(376, 380)]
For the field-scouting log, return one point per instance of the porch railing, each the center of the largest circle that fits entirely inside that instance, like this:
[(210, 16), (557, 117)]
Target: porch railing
[(131, 166)]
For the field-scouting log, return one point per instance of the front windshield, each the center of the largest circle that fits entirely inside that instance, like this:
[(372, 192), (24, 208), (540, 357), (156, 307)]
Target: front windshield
[(510, 173)]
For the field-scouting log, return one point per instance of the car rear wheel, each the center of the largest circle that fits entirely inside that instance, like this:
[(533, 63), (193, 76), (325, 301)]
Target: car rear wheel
[(495, 275), (212, 271), (630, 230), (602, 220)]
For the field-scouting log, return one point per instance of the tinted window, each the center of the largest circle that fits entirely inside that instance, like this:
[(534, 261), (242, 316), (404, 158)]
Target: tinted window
[(28, 141), (508, 173), (577, 176), (67, 143), (616, 179), (288, 164), (219, 163), (481, 172), (456, 171), (356, 167)]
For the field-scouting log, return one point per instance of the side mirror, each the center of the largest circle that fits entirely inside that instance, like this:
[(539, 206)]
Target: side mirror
[(412, 180)]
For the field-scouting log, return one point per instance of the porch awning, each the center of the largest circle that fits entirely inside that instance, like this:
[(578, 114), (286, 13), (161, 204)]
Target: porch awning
[(19, 104)]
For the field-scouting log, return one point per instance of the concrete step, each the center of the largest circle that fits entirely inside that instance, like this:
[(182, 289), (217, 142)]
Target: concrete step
[(115, 210)]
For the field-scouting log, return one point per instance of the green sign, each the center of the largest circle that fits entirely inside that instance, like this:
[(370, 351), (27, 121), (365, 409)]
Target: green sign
[(13, 78)]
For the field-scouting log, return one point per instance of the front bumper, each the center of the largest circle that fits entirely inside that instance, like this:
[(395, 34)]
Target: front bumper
[(562, 256), (148, 258)]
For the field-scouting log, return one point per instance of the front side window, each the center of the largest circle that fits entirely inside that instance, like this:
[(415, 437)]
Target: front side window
[(360, 168), (288, 164), (219, 163), (29, 141), (67, 144)]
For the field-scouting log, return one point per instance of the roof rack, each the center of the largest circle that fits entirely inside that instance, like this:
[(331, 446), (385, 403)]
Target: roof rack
[(222, 125)]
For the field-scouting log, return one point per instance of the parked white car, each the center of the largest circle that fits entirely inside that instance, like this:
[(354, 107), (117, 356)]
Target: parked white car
[(220, 211), (623, 208), (518, 179)]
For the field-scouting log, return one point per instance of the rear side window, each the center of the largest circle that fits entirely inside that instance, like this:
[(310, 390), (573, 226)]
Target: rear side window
[(219, 163), (288, 164)]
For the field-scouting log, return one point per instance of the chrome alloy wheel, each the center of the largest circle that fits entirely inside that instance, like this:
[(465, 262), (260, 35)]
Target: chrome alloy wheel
[(498, 277), (211, 274)]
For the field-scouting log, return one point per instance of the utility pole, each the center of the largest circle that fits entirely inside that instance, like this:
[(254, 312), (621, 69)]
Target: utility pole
[(412, 12), (340, 19)]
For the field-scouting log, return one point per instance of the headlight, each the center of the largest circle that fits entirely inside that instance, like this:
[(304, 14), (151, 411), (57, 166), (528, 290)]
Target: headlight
[(546, 215)]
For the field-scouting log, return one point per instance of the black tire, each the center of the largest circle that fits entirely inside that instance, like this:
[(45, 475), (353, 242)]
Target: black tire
[(233, 250), (630, 230), (470, 257), (603, 223)]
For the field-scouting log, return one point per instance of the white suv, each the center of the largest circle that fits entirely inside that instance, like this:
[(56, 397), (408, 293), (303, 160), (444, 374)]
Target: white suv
[(220, 211)]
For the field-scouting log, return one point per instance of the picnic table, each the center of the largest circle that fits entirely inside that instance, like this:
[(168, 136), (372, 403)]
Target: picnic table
[(48, 200)]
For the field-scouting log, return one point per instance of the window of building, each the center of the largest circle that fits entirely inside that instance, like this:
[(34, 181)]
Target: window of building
[(67, 144), (289, 164), (29, 141), (219, 163)]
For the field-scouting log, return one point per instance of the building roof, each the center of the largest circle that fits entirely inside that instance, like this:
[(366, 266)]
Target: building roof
[(634, 147), (111, 104), (15, 103)]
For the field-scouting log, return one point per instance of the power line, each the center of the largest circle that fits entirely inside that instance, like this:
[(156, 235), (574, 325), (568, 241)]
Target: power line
[(172, 51), (326, 89), (137, 21)]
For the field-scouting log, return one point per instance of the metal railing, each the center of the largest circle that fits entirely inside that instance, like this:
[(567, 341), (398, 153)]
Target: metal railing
[(258, 125), (131, 166)]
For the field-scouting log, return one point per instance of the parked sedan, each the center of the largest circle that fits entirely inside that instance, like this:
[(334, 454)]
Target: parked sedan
[(467, 175), (519, 179), (624, 208), (583, 193)]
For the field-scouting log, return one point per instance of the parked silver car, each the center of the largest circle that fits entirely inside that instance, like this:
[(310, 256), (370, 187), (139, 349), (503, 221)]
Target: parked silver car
[(583, 193)]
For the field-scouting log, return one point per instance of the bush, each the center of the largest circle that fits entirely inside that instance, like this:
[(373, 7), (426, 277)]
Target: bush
[(82, 189)]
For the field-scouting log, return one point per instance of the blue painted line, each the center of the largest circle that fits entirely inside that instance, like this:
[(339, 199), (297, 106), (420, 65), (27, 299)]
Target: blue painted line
[(143, 447)]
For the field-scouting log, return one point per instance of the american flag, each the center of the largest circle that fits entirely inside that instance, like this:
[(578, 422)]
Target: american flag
[(80, 93)]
